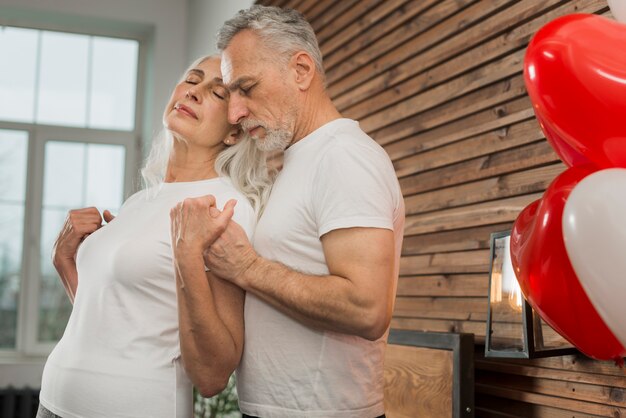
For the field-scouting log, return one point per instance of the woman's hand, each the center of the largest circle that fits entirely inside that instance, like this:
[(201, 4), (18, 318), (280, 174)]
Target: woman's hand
[(79, 224), (196, 224)]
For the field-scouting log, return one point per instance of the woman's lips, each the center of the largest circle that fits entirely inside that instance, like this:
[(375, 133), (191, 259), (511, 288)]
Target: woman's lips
[(186, 110)]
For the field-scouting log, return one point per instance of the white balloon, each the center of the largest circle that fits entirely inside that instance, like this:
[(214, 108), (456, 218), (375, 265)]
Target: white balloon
[(618, 8), (594, 231)]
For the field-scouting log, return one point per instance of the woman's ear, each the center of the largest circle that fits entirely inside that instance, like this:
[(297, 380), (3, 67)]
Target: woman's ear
[(304, 69), (233, 136)]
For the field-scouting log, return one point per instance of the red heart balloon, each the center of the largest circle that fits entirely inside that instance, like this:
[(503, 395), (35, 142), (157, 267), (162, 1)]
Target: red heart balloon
[(547, 278), (575, 74)]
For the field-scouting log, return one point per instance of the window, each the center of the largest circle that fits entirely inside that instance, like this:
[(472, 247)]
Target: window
[(13, 147), (67, 79), (67, 140)]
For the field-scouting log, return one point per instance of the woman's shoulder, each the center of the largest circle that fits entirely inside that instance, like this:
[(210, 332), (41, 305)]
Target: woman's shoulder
[(244, 212), (225, 189), (135, 197)]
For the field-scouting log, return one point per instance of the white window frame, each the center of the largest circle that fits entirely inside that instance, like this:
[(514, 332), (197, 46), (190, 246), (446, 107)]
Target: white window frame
[(27, 345)]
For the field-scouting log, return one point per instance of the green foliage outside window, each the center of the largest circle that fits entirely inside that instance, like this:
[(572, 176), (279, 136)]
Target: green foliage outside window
[(223, 405)]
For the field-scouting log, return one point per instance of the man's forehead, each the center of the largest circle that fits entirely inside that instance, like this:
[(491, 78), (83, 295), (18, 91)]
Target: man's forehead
[(233, 72), (226, 68), (237, 71), (241, 56)]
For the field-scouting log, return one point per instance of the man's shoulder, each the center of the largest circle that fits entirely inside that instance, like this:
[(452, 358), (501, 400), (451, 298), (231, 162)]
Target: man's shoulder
[(349, 134), (351, 142)]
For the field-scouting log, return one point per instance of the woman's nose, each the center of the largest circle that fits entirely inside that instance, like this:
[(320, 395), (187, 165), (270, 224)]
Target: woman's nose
[(193, 95)]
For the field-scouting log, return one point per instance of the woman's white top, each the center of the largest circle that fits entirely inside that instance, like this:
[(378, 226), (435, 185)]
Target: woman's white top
[(120, 353)]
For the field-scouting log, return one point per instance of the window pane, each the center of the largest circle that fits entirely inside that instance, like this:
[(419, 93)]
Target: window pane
[(63, 174), (105, 176), (63, 79), (67, 79), (18, 69), (113, 84), (11, 232), (76, 175), (54, 306), (13, 151)]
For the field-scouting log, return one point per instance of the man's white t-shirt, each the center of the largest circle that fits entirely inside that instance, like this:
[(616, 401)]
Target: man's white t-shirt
[(336, 177), (120, 353)]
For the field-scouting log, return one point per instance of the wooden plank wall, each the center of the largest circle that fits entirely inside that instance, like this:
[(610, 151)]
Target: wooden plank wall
[(439, 85)]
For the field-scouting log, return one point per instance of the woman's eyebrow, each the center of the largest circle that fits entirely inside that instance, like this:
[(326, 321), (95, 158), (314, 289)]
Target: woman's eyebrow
[(200, 73), (196, 71)]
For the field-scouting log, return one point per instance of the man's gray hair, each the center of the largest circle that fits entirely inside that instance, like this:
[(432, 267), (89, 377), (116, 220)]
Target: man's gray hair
[(283, 30)]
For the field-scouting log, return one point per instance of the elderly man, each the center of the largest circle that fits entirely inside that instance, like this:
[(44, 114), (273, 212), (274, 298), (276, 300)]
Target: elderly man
[(322, 276)]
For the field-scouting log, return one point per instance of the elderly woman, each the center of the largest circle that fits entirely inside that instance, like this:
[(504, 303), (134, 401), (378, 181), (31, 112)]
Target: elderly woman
[(148, 321)]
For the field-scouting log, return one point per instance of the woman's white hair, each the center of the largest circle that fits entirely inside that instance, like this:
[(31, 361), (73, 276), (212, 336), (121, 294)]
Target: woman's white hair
[(243, 163)]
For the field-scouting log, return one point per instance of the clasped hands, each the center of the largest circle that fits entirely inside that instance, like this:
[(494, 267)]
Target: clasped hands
[(198, 227)]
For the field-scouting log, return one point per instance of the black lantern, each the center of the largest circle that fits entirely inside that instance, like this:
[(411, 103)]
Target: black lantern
[(514, 329)]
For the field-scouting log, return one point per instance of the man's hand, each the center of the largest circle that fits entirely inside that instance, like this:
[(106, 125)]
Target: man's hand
[(196, 223), (231, 254)]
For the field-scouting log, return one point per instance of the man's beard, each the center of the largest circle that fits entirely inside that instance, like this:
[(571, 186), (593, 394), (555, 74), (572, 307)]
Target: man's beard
[(276, 139)]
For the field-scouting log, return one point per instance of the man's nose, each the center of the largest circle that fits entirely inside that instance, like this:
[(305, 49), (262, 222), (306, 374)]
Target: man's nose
[(237, 109)]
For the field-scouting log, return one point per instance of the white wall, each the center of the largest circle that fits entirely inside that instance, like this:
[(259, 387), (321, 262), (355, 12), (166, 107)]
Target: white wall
[(205, 18), (174, 32)]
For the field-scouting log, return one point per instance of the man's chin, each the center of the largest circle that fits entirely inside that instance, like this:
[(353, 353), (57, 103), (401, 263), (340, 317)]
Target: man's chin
[(271, 144), (263, 146)]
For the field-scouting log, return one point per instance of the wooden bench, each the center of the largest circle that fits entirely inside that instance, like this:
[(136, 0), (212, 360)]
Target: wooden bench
[(429, 374)]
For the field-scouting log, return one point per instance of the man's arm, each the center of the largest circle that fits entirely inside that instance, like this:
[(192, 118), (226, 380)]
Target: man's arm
[(355, 298)]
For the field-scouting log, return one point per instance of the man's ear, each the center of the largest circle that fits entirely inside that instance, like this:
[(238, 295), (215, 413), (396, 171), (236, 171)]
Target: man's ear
[(304, 67), (234, 135)]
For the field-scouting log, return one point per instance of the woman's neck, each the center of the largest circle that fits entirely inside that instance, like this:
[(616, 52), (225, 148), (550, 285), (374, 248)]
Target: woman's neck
[(190, 163)]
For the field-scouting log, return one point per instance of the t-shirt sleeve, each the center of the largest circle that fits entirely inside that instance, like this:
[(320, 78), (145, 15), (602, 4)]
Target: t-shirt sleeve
[(353, 187)]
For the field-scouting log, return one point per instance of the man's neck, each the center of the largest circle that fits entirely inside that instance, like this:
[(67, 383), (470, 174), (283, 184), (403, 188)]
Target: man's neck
[(316, 112)]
